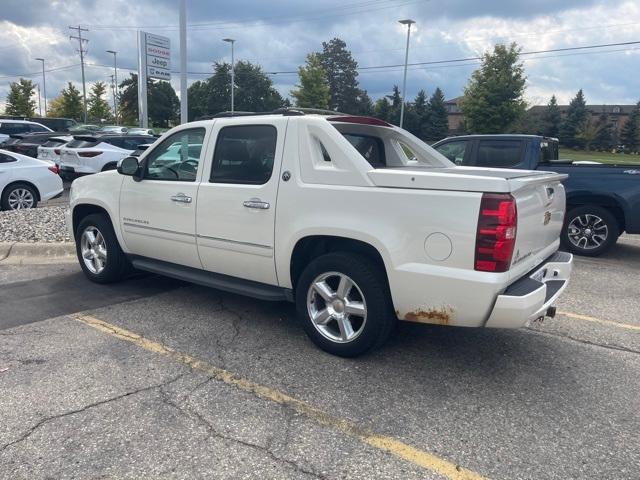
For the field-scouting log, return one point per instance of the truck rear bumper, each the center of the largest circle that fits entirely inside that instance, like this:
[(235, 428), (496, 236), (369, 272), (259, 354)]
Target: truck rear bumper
[(530, 297)]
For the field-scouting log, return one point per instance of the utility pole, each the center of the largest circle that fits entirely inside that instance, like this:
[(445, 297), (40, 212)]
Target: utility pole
[(82, 52), (115, 90), (233, 71), (44, 87), (184, 115), (408, 23), (39, 104)]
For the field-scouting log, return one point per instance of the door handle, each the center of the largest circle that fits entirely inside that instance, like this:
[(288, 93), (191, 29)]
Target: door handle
[(256, 203), (181, 198)]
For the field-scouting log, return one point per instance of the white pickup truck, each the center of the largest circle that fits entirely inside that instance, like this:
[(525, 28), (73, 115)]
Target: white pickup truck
[(357, 221)]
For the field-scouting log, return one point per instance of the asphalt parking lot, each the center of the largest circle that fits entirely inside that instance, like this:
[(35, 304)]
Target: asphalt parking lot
[(154, 378)]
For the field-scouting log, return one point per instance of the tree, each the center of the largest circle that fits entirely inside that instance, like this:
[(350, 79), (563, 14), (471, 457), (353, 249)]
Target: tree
[(422, 112), (55, 107), (254, 91), (313, 91), (364, 104), (630, 136), (162, 102), (551, 118), (603, 139), (587, 134), (68, 104), (342, 75), (396, 101), (19, 99), (494, 98), (382, 109), (98, 107), (438, 125), (574, 122)]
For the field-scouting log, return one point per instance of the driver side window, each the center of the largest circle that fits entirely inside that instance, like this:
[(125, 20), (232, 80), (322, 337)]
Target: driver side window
[(177, 157)]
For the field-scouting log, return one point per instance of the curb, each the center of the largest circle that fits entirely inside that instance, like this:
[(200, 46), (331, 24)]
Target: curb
[(19, 253)]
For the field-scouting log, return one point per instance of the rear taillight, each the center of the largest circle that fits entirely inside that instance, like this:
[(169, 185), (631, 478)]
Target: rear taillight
[(88, 154), (496, 236), (57, 151), (53, 168)]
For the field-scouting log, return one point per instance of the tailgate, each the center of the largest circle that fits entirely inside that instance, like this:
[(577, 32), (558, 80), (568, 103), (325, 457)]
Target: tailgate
[(68, 157), (540, 203)]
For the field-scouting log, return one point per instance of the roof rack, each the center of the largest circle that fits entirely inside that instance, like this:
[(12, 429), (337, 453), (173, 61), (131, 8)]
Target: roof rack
[(286, 111)]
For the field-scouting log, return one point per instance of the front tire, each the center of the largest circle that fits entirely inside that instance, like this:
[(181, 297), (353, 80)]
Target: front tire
[(344, 304), (99, 253), (589, 230), (19, 196)]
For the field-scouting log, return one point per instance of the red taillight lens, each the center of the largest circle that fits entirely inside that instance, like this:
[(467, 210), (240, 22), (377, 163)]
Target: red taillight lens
[(57, 151), (53, 168), (89, 154), (496, 236)]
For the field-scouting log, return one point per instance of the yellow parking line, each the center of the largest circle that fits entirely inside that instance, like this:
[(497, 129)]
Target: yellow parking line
[(586, 318), (388, 444)]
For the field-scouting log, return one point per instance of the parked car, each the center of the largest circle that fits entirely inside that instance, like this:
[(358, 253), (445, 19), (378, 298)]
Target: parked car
[(84, 128), (25, 181), (140, 131), (141, 148), (330, 212), (113, 129), (8, 127), (50, 150), (27, 143), (56, 124), (87, 154), (603, 201)]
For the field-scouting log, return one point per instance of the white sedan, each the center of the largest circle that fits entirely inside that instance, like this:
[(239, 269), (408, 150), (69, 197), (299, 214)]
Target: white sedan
[(25, 181)]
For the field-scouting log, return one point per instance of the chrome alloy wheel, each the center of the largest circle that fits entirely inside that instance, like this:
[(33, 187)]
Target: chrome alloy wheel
[(94, 250), (587, 231), (20, 198), (337, 307)]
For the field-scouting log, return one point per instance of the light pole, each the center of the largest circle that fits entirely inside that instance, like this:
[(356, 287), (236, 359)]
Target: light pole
[(39, 104), (233, 67), (115, 90), (44, 87), (408, 22)]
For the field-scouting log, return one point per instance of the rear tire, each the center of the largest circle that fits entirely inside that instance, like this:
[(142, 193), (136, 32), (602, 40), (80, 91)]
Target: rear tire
[(589, 230), (344, 303), (19, 196), (99, 253)]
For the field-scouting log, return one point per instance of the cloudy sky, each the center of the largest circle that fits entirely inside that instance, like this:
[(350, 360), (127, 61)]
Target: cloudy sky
[(278, 34)]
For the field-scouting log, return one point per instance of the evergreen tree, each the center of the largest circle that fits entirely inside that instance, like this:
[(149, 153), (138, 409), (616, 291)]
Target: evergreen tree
[(382, 109), (552, 118), (364, 104), (19, 101), (494, 98), (574, 122), (422, 111), (98, 107), (313, 90), (395, 101), (630, 136), (340, 68), (604, 133), (438, 126)]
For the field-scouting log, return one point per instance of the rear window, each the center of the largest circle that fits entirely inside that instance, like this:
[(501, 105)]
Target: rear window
[(370, 147), (499, 153), (548, 151), (77, 143), (53, 143)]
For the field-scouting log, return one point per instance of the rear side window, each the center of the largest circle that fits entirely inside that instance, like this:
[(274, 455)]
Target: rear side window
[(454, 151), (244, 154), (4, 158), (9, 128), (78, 143), (37, 128), (371, 148), (499, 153), (53, 143)]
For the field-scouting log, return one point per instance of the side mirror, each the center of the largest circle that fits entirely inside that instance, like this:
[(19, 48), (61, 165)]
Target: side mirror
[(129, 166)]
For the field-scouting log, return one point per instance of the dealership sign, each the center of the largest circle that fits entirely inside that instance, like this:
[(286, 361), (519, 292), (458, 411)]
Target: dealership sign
[(158, 56)]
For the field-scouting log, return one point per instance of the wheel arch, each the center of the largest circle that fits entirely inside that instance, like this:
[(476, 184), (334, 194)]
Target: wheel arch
[(24, 182), (80, 211), (312, 246), (608, 202)]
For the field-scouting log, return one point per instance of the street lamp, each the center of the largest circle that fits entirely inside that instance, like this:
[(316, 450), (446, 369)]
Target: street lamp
[(115, 92), (408, 23), (231, 41), (44, 86)]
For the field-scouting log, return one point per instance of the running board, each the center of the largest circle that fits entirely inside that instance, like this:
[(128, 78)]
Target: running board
[(240, 286)]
